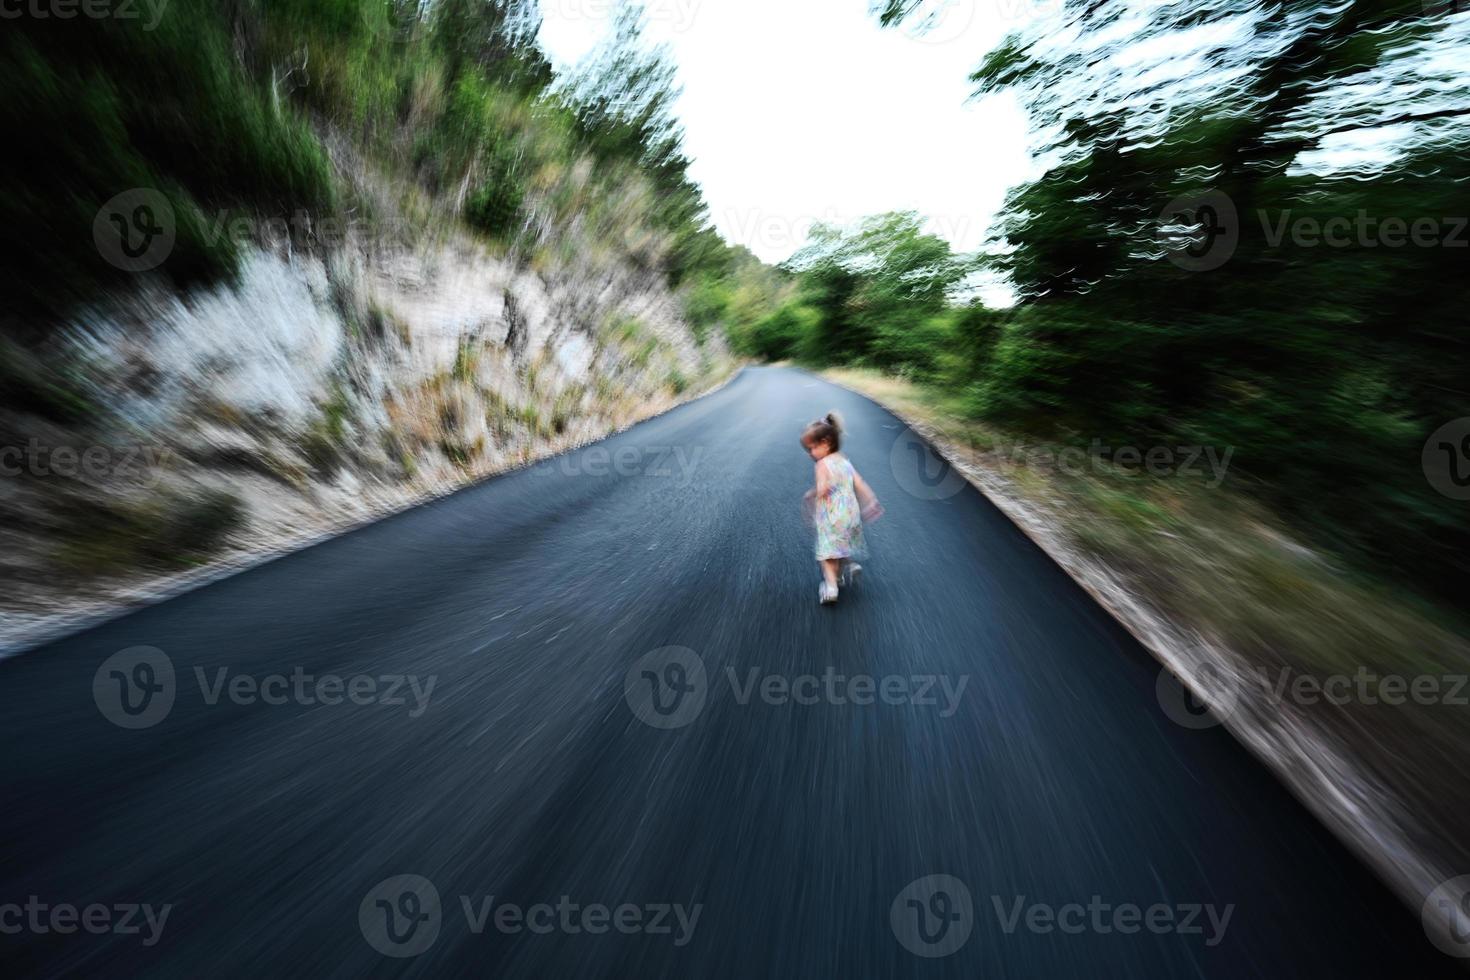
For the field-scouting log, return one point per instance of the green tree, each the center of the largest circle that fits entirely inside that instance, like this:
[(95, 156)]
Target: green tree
[(879, 289)]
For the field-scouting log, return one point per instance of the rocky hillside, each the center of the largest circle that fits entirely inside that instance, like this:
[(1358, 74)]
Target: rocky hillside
[(317, 391), (338, 269)]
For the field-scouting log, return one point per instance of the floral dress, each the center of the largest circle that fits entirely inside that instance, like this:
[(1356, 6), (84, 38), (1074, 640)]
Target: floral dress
[(838, 517)]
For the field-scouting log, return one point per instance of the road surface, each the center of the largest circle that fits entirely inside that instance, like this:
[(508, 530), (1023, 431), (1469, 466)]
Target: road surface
[(575, 800)]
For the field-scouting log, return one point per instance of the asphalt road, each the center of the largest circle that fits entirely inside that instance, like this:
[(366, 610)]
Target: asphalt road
[(747, 822)]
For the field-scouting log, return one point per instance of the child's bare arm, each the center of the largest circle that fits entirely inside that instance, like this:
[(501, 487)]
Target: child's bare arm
[(822, 480), (867, 499)]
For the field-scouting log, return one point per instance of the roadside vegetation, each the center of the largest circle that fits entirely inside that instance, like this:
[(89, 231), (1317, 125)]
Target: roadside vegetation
[(251, 108), (1176, 289), (1322, 364), (316, 127)]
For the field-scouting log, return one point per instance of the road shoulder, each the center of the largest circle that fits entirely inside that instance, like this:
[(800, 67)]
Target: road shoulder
[(1339, 760)]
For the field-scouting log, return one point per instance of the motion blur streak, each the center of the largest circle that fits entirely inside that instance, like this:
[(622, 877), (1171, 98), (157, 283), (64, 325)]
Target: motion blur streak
[(792, 827), (281, 268)]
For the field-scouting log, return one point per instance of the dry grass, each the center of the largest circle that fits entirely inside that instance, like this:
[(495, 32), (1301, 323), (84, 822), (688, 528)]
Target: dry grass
[(1217, 564), (1214, 557)]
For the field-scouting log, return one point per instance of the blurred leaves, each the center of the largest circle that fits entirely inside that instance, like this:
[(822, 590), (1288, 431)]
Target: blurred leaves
[(877, 290), (1325, 365)]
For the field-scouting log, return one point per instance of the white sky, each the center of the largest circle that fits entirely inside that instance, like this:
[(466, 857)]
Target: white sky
[(798, 111)]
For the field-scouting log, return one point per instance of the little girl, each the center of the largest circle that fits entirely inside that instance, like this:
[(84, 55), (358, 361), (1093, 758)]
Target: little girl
[(838, 506)]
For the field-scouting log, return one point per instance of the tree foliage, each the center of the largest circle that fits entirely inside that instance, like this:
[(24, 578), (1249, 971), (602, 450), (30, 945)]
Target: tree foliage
[(1171, 288)]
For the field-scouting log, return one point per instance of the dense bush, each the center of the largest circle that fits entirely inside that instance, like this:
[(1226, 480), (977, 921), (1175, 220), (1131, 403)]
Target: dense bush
[(1325, 367), (227, 109)]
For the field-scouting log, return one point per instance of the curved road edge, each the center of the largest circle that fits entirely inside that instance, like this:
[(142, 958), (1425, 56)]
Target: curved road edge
[(38, 630), (1315, 766)]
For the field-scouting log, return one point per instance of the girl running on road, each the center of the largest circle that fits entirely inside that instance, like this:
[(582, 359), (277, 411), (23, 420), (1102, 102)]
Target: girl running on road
[(837, 507)]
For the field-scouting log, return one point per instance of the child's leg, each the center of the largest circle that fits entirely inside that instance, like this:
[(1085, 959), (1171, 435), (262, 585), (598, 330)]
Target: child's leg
[(830, 569)]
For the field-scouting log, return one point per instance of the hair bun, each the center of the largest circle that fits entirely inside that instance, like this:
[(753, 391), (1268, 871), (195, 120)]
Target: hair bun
[(835, 421)]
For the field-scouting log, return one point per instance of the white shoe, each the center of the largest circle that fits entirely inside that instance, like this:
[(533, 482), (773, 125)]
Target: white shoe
[(850, 574), (828, 594)]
